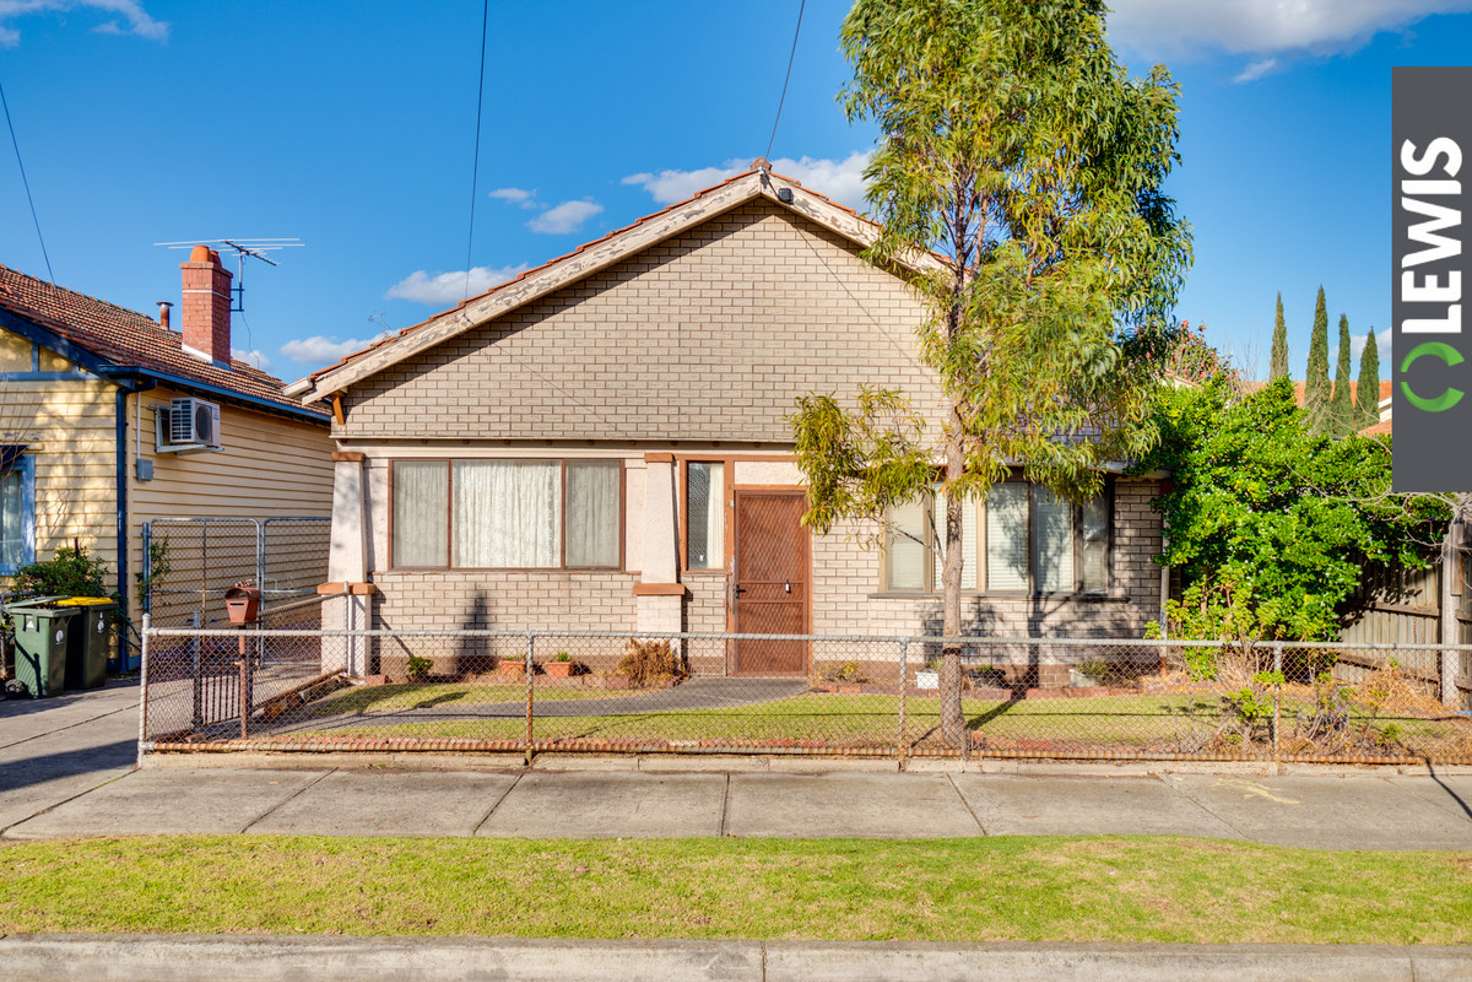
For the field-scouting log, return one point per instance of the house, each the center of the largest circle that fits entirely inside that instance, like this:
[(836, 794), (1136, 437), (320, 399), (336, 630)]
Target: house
[(110, 419), (604, 443)]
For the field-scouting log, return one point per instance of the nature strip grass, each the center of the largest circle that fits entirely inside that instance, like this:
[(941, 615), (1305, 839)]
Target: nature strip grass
[(1158, 889)]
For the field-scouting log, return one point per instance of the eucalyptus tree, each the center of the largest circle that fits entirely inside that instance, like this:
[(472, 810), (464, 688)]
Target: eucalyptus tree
[(1016, 147)]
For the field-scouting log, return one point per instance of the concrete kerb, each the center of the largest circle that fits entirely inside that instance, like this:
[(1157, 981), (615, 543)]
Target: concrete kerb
[(228, 959), (791, 764)]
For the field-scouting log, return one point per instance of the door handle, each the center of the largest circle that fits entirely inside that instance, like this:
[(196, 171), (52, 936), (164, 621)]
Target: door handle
[(787, 587), (738, 590)]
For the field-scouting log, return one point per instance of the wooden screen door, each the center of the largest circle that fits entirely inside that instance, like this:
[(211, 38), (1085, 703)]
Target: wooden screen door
[(769, 593)]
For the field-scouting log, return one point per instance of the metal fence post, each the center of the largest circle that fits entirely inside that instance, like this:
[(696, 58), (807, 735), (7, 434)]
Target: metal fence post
[(902, 747), (1277, 693), (143, 690), (194, 643), (531, 674)]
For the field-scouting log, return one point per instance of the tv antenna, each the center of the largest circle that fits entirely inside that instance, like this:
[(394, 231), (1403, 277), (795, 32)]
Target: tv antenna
[(245, 247)]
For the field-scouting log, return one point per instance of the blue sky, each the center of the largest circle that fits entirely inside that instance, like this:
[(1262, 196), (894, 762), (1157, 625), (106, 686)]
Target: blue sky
[(351, 125)]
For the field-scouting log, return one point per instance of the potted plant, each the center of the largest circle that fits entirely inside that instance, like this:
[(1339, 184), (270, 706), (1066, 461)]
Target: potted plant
[(513, 667), (562, 666)]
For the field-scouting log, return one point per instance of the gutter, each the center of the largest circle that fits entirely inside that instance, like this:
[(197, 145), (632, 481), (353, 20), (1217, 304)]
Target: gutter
[(218, 391)]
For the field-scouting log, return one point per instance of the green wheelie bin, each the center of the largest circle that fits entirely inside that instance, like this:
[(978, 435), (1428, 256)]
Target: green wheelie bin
[(86, 651), (41, 636)]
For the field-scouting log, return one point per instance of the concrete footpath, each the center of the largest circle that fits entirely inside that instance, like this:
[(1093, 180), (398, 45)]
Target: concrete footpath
[(428, 960), (65, 770)]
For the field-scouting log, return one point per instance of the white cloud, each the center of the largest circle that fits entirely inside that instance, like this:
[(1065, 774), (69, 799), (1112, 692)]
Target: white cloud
[(520, 197), (842, 180), (564, 218), (447, 288), (1172, 28), (129, 17), (255, 357), (1256, 70), (317, 349)]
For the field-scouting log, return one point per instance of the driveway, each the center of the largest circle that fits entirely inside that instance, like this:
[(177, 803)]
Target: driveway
[(52, 750)]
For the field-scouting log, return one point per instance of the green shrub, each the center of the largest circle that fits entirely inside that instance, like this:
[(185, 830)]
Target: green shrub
[(419, 667), (70, 573)]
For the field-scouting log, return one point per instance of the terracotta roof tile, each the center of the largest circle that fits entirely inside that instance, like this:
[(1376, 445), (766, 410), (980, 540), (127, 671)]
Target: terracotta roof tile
[(130, 339)]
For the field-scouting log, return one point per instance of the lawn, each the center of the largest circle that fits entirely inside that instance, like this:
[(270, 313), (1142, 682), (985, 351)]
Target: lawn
[(1138, 723), (1007, 888)]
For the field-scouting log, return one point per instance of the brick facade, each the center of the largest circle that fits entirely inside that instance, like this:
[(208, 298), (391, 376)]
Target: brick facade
[(704, 341)]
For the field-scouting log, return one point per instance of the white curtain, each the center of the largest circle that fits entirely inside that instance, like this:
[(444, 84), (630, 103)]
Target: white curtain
[(968, 541), (12, 518), (1053, 548), (421, 503), (907, 550), (1006, 537), (592, 513), (507, 513), (705, 515)]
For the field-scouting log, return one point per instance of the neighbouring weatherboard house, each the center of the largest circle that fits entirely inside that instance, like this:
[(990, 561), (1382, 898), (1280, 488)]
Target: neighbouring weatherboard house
[(110, 419), (604, 442)]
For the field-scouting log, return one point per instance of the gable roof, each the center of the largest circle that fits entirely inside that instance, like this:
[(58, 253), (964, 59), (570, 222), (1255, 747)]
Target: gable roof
[(127, 340), (589, 258)]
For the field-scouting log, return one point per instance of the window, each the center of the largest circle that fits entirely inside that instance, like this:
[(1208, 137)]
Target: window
[(1052, 542), (1030, 541), (906, 548), (1006, 536), (507, 514), (17, 512), (705, 515), (968, 542)]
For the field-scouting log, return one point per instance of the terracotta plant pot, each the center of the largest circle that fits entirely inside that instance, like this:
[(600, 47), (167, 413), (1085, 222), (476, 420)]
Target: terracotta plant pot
[(515, 669), (559, 669)]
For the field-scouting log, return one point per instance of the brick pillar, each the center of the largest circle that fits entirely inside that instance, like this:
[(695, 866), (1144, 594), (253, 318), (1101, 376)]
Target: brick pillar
[(206, 306)]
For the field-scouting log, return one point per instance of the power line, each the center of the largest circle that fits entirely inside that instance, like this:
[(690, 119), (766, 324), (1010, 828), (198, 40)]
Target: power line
[(27, 185), (791, 56), (480, 94)]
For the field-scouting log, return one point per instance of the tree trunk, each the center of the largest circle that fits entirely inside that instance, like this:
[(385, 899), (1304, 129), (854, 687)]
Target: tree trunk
[(952, 718)]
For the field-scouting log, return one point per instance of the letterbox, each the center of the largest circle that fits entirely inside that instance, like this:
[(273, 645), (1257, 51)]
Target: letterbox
[(241, 602)]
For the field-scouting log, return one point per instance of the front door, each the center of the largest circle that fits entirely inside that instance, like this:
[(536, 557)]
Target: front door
[(769, 593)]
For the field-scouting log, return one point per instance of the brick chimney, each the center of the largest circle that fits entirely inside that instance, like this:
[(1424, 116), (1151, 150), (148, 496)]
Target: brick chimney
[(206, 306)]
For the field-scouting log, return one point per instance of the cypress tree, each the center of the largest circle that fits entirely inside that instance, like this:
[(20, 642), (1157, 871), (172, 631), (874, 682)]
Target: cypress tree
[(1341, 403), (1316, 382), (1278, 366), (1367, 401)]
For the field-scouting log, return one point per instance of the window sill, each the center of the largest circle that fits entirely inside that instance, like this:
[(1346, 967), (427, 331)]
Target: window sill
[(999, 595)]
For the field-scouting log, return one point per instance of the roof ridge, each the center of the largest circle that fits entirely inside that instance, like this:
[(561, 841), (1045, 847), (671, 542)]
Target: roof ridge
[(577, 250)]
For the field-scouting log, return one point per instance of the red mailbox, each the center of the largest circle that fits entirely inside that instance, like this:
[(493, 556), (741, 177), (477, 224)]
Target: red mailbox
[(241, 602)]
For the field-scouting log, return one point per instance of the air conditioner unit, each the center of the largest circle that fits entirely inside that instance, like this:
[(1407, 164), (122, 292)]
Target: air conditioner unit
[(188, 424)]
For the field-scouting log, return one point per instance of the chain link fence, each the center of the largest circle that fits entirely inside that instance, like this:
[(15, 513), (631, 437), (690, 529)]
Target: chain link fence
[(539, 691), (189, 563)]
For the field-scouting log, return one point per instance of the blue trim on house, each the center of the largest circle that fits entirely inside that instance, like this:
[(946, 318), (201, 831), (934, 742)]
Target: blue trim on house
[(218, 391), (27, 467), (45, 337), (39, 376)]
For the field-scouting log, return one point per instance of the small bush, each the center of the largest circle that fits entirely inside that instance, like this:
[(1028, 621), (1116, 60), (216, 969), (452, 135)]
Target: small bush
[(69, 573), (419, 667), (650, 663), (562, 656), (849, 671)]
